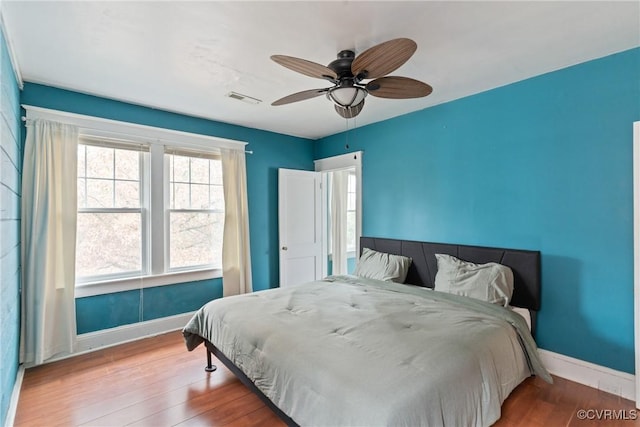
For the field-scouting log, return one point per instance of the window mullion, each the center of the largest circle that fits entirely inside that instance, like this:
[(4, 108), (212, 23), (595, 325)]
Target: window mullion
[(157, 209), (190, 182), (197, 210), (86, 194), (113, 191), (143, 193), (110, 210)]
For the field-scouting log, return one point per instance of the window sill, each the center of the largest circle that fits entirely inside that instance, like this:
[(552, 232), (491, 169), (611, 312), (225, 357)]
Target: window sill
[(133, 283)]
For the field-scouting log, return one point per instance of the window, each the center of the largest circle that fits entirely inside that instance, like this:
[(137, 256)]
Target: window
[(146, 211), (351, 212), (196, 211), (110, 213)]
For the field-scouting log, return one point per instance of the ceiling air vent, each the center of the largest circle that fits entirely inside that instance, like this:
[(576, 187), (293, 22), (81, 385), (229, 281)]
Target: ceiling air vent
[(244, 98)]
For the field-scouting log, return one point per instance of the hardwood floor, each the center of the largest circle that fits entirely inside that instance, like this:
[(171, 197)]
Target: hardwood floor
[(156, 382)]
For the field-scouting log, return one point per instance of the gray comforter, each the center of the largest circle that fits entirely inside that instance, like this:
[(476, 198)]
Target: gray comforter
[(347, 351)]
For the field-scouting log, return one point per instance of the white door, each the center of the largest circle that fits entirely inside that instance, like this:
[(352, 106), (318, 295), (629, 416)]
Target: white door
[(300, 226)]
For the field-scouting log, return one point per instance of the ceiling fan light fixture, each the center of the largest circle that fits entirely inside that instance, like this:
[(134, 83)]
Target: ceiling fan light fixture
[(349, 112), (347, 96)]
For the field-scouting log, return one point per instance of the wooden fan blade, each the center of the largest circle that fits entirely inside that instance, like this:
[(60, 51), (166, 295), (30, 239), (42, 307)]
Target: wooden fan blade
[(384, 58), (305, 67), (300, 96), (349, 112), (398, 88)]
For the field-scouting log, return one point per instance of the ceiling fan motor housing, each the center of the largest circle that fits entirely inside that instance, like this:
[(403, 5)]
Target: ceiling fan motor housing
[(347, 93), (342, 65)]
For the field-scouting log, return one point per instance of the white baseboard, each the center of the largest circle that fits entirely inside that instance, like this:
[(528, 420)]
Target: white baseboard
[(102, 339), (93, 341), (596, 376), (15, 396), (599, 377), (122, 334)]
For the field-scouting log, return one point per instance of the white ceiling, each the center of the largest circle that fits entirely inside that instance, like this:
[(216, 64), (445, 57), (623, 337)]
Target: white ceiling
[(186, 56)]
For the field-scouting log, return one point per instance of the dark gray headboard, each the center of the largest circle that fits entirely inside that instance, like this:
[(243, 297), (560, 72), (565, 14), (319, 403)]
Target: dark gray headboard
[(524, 264)]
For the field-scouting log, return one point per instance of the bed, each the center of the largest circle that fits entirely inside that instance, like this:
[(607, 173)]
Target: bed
[(356, 351)]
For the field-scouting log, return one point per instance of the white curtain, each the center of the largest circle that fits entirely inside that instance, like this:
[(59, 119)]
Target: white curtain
[(236, 257), (339, 189), (49, 211)]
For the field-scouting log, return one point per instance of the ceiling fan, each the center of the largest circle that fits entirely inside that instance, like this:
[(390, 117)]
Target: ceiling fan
[(349, 72)]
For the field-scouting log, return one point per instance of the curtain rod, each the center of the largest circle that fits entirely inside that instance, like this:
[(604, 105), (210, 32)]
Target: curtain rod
[(24, 119)]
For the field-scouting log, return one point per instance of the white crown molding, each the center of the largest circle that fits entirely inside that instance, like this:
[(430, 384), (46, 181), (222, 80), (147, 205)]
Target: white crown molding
[(107, 128), (12, 52), (589, 374)]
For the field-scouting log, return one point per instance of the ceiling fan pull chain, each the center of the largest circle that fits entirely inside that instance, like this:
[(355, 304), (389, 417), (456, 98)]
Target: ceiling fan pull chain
[(346, 122)]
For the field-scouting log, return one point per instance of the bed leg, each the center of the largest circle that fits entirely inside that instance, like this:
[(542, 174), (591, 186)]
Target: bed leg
[(210, 366)]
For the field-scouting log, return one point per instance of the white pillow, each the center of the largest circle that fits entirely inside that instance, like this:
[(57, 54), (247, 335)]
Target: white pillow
[(489, 282), (382, 266)]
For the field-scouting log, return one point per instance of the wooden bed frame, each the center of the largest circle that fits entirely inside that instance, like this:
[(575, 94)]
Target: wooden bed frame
[(525, 265)]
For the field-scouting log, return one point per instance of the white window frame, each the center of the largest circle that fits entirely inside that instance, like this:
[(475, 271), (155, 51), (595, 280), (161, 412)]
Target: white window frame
[(168, 210), (156, 138), (144, 209)]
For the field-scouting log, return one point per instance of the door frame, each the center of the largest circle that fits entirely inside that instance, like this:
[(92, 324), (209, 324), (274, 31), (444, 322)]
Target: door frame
[(351, 160)]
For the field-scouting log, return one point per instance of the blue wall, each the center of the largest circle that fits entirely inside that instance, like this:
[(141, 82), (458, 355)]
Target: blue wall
[(271, 151), (542, 164), (121, 308), (9, 228)]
